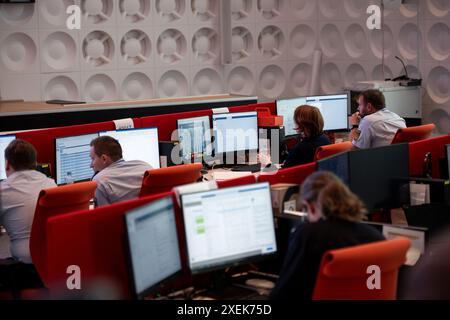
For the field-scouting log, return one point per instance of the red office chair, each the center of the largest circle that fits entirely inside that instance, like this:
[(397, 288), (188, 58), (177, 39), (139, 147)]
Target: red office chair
[(343, 273), (413, 133), (164, 179), (332, 149), (52, 202)]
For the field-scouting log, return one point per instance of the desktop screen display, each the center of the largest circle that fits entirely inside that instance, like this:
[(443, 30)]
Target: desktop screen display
[(334, 109), (152, 244), (235, 131), (4, 142), (228, 226), (138, 144), (194, 135), (73, 161)]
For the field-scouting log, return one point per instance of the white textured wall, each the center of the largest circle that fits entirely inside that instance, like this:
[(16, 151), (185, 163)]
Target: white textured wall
[(138, 49)]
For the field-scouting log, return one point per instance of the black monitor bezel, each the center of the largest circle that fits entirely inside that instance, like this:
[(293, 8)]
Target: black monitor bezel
[(227, 264), (129, 260)]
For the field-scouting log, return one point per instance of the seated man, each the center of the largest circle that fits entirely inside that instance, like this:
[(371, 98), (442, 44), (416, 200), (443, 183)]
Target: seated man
[(19, 194), (117, 179), (376, 124)]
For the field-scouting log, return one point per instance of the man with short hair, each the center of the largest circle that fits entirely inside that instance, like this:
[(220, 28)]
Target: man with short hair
[(19, 194), (117, 179), (376, 124)]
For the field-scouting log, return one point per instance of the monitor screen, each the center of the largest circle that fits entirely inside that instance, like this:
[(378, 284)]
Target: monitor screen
[(152, 244), (4, 142), (334, 109), (194, 135), (138, 144), (235, 131), (73, 161), (225, 227)]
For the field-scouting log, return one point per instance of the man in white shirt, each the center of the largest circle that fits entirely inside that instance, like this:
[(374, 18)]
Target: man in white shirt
[(376, 124), (19, 194), (117, 179)]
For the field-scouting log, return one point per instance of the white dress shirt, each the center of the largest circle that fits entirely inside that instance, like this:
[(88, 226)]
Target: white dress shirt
[(122, 180), (378, 129), (18, 198)]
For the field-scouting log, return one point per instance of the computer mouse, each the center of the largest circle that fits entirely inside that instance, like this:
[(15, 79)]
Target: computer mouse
[(260, 283)]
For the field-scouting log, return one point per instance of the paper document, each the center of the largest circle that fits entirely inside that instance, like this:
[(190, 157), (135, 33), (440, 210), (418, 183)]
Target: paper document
[(417, 241), (419, 193), (123, 124), (227, 175), (220, 110)]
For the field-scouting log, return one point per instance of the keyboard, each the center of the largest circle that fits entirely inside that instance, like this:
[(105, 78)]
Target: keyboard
[(248, 167)]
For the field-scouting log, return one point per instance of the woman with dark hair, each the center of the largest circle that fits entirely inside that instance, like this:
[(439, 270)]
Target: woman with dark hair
[(334, 215)]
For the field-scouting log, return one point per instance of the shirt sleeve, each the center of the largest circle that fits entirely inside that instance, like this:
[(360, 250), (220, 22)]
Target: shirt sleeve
[(364, 140)]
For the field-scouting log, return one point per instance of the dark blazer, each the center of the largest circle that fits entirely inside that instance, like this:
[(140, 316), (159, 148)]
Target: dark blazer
[(306, 248), (304, 151)]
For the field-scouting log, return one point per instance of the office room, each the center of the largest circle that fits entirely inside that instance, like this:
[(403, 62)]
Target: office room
[(185, 150)]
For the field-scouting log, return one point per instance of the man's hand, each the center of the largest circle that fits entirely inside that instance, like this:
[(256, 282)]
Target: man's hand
[(354, 134), (355, 119)]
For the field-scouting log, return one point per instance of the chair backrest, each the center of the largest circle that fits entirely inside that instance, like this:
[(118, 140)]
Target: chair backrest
[(164, 179), (413, 133), (344, 273), (295, 175), (332, 149), (52, 202)]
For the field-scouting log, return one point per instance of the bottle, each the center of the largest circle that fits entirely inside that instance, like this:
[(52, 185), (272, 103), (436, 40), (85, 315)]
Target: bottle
[(69, 178)]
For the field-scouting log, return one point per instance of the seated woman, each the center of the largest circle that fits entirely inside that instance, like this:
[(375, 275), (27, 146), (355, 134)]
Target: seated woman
[(309, 125), (334, 215)]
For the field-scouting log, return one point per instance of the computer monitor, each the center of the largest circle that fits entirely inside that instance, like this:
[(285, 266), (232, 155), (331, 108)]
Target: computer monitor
[(226, 227), (334, 109), (73, 161), (373, 174), (153, 250), (138, 144), (194, 135), (235, 132), (4, 142)]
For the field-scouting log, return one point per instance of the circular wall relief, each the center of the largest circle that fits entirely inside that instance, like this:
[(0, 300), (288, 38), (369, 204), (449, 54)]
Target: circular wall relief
[(355, 8), (100, 87), (207, 81), (439, 41), (439, 8), (241, 44), (137, 86), (97, 11), (270, 9), (329, 8), (300, 78), (17, 14), (303, 9), (61, 88), (18, 52), (354, 74), (170, 10), (135, 47), (271, 42), (98, 48), (172, 84), (240, 9), (272, 81), (355, 41), (377, 73), (172, 46), (376, 42), (54, 11), (134, 11), (302, 41), (331, 78), (409, 40), (205, 10), (241, 81), (441, 118), (410, 8), (438, 85), (330, 40), (59, 50), (205, 45)]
